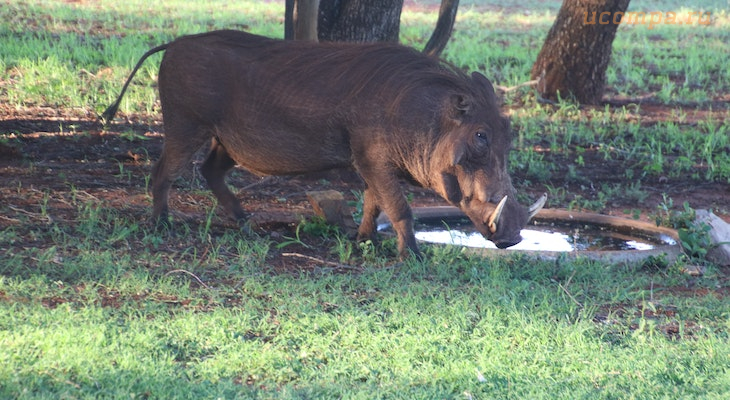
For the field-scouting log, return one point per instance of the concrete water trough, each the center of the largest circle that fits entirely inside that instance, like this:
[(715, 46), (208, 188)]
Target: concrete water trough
[(552, 234)]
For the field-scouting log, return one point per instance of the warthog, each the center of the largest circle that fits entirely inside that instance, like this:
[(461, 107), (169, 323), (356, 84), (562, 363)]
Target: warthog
[(287, 107)]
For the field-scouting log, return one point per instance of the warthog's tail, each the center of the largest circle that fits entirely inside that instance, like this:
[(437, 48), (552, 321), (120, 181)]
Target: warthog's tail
[(109, 113)]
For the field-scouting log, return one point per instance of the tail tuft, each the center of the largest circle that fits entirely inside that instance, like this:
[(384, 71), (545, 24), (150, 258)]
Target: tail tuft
[(108, 115)]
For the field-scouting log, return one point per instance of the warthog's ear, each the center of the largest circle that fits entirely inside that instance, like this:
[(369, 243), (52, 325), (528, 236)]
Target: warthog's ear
[(485, 83), (460, 104), (452, 191)]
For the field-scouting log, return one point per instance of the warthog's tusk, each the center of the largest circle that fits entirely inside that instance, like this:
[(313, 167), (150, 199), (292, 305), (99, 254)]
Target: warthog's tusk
[(494, 218), (535, 208)]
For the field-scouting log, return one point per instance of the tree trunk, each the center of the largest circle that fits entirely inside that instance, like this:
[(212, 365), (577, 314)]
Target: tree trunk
[(300, 19), (289, 19), (445, 24), (576, 52), (359, 20)]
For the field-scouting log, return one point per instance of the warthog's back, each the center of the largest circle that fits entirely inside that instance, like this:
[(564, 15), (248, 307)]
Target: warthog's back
[(284, 107)]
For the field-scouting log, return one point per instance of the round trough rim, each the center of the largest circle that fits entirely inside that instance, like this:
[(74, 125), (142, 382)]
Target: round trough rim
[(622, 225)]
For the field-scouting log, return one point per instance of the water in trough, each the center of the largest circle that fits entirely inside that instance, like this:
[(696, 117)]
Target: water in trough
[(541, 236)]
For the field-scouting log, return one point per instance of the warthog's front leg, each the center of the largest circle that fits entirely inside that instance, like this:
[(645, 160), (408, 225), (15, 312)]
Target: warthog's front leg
[(386, 193), (370, 212)]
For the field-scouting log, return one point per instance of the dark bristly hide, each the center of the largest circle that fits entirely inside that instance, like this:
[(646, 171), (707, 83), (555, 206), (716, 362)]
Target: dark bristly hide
[(285, 107)]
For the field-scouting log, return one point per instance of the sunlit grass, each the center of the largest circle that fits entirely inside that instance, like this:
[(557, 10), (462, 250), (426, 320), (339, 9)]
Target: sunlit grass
[(511, 327)]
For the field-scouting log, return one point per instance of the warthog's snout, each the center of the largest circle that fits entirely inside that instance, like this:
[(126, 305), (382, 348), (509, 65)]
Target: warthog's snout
[(503, 225)]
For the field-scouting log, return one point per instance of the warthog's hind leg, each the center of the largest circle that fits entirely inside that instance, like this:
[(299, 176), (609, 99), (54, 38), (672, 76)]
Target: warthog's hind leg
[(177, 151), (161, 181)]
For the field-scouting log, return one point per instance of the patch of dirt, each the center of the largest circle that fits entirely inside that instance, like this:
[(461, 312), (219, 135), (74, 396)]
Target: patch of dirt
[(54, 156), (54, 159), (664, 318)]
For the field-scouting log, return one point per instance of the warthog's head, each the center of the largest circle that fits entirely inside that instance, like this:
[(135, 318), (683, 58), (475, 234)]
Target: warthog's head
[(470, 165)]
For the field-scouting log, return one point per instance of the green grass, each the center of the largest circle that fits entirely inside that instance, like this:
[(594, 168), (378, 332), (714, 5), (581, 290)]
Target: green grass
[(101, 305), (102, 308), (93, 320)]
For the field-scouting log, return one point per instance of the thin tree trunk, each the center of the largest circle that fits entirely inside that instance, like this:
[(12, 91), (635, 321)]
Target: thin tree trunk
[(359, 20), (576, 52), (300, 19), (445, 24), (289, 19)]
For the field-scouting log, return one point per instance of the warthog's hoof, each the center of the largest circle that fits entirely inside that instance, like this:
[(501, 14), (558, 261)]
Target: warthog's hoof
[(247, 227), (361, 239), (409, 254), (162, 224)]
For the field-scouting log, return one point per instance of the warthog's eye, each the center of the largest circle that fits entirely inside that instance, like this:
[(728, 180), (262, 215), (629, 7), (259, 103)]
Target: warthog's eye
[(482, 138)]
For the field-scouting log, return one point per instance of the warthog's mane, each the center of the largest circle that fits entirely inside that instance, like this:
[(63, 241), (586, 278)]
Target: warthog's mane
[(388, 74)]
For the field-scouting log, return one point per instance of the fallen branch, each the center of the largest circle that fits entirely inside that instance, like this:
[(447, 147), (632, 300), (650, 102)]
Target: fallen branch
[(189, 273), (13, 220), (567, 292), (505, 89), (39, 216), (257, 183), (319, 260)]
